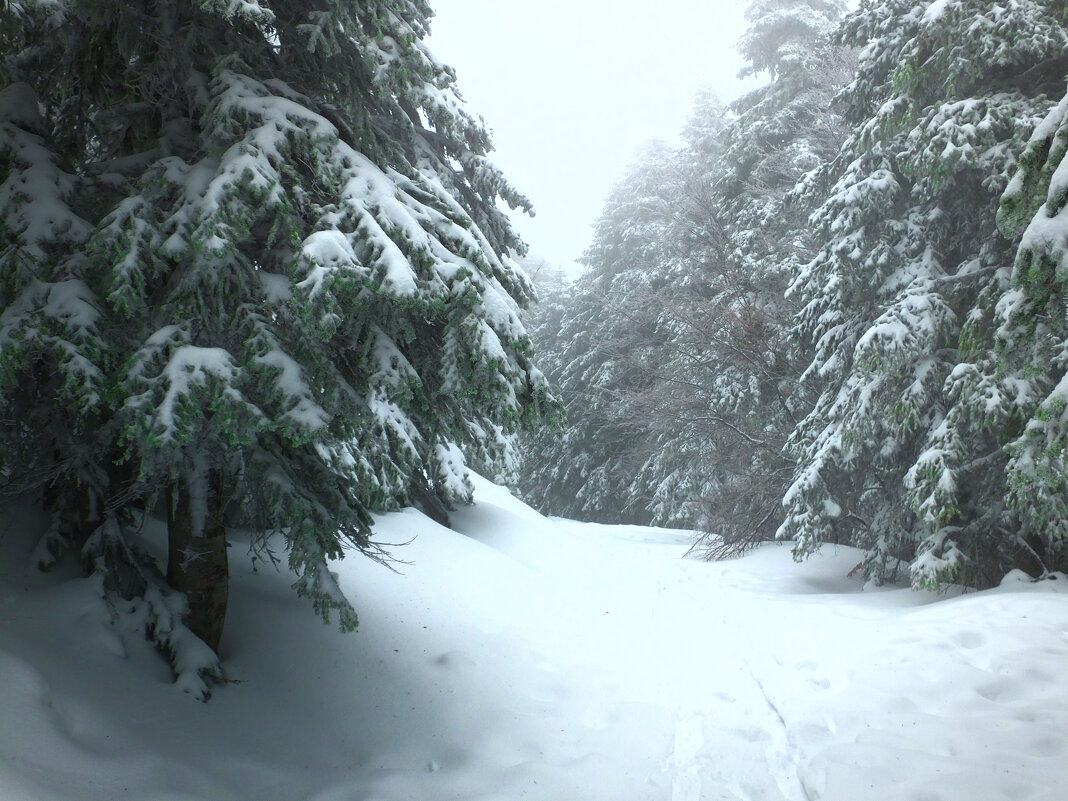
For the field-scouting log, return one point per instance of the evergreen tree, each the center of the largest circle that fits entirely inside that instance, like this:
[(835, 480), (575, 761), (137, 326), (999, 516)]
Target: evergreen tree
[(780, 132), (898, 456), (594, 337), (289, 300), (783, 34), (52, 342), (1029, 385)]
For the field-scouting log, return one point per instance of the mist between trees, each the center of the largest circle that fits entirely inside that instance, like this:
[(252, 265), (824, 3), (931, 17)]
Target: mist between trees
[(836, 313)]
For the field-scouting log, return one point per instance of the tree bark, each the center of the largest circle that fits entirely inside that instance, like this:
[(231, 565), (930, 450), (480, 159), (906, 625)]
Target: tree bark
[(196, 553)]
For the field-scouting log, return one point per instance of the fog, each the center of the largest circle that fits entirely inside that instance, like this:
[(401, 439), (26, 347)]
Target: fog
[(572, 90)]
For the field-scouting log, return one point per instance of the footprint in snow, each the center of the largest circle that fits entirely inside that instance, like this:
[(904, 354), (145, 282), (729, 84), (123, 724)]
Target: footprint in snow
[(970, 639), (456, 660), (689, 739)]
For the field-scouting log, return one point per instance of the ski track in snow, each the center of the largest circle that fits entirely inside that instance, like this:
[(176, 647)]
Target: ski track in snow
[(730, 741), (784, 757), (738, 746), (689, 739)]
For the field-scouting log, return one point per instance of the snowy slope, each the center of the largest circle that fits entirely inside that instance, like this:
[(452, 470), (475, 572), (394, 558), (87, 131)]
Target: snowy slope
[(545, 659)]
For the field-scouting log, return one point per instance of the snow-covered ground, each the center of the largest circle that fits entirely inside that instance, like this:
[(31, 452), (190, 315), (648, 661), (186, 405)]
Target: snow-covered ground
[(527, 658)]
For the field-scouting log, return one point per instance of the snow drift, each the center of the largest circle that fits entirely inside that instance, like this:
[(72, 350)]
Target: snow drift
[(521, 657)]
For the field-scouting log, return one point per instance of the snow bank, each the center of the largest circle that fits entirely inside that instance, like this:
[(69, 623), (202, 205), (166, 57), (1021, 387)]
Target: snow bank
[(521, 657)]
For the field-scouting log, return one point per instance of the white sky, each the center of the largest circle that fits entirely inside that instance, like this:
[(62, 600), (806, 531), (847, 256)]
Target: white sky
[(572, 88)]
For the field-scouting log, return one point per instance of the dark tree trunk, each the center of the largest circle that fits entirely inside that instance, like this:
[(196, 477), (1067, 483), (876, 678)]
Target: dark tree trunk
[(1032, 557), (196, 553), (423, 497)]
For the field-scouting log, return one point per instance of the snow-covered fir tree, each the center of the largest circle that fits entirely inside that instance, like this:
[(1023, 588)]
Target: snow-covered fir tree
[(780, 131), (902, 454), (253, 271), (1029, 385), (594, 342), (782, 35), (52, 341)]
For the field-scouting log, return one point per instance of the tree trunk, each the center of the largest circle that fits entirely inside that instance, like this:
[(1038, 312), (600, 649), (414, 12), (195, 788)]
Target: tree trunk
[(422, 496), (196, 552), (1031, 555)]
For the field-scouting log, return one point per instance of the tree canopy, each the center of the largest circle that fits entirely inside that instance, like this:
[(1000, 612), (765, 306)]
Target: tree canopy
[(837, 314), (254, 271)]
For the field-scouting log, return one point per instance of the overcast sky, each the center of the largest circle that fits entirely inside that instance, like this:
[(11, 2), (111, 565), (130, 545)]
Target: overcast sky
[(572, 88)]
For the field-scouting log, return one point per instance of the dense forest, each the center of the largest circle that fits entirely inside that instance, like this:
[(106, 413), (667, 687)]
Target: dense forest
[(836, 312)]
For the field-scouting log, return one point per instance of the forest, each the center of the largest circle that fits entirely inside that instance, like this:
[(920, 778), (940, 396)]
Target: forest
[(836, 313), (256, 272), (770, 503)]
